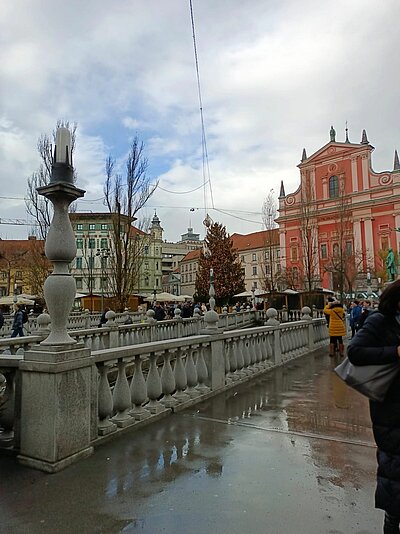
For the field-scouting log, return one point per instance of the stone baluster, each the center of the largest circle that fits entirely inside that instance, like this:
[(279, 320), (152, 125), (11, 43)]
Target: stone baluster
[(122, 397), (138, 392), (264, 349), (252, 352), (202, 372), (168, 381), (233, 362), (246, 354), (227, 350), (96, 340), (180, 378), (236, 347), (86, 319), (154, 388), (43, 323), (105, 403), (258, 349), (191, 373)]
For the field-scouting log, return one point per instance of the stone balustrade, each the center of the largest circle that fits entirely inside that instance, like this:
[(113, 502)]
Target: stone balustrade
[(135, 383), (116, 334), (85, 321)]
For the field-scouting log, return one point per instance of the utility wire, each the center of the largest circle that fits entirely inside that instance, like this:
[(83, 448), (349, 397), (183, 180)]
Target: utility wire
[(206, 167)]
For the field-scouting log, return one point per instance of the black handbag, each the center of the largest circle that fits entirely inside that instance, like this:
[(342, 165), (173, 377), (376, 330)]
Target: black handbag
[(373, 381)]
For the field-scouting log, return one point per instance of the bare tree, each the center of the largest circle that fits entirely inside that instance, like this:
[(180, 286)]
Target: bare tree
[(124, 197), (269, 276), (309, 235), (38, 267), (345, 262), (38, 206)]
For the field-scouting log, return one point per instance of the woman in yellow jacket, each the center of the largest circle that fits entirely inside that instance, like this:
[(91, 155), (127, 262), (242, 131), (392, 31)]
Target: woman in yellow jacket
[(336, 327)]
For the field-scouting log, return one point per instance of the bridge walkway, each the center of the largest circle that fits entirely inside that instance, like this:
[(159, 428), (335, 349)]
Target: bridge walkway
[(290, 452)]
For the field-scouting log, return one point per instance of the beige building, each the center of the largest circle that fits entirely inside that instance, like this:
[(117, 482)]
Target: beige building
[(92, 266), (259, 255), (172, 255), (188, 269)]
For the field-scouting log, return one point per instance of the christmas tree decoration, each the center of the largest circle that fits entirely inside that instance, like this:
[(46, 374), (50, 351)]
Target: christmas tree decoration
[(219, 255)]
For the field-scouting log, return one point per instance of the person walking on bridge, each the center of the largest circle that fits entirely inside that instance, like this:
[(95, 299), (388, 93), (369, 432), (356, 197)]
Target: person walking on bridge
[(18, 322), (378, 343), (336, 326)]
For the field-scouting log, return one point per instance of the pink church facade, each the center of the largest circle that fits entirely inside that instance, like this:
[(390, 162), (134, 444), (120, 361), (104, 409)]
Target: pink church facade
[(373, 211)]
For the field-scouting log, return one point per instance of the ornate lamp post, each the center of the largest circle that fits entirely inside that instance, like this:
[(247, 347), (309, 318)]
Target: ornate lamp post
[(253, 291), (60, 249)]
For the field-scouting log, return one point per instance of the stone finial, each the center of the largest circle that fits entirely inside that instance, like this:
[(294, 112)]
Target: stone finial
[(197, 313), (272, 315), (396, 163), (347, 134), (177, 314), (306, 313), (43, 323), (282, 190), (211, 317), (364, 138), (304, 155), (110, 316), (150, 316)]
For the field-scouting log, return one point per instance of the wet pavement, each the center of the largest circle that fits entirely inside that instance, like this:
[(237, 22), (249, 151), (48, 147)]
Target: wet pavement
[(291, 452)]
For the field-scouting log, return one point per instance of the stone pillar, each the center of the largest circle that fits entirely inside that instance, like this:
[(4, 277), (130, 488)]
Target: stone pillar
[(306, 316), (354, 176), (57, 389)]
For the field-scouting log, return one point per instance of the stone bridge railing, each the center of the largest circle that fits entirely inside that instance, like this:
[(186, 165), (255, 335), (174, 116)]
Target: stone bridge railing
[(116, 334), (131, 385), (86, 321)]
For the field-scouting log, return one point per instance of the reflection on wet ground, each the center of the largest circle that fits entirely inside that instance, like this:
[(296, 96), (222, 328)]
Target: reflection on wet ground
[(290, 452), (305, 396)]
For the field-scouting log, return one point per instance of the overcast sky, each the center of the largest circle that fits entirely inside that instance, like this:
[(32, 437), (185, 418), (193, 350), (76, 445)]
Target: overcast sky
[(275, 74)]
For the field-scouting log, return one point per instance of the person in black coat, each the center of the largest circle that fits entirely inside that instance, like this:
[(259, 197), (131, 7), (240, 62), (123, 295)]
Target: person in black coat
[(378, 342)]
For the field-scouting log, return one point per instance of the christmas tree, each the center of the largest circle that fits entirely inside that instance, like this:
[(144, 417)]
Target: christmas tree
[(218, 254)]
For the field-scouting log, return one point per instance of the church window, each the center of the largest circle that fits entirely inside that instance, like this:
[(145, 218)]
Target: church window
[(324, 251), (335, 250), (333, 187), (385, 242)]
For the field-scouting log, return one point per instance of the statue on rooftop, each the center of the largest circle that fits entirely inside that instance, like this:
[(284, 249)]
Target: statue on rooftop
[(332, 133)]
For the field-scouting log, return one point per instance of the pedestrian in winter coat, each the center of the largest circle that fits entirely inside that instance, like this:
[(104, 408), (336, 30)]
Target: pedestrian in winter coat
[(159, 312), (355, 313), (17, 326), (336, 326), (376, 343)]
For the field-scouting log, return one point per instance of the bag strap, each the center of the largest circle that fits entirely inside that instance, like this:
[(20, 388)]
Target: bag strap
[(337, 315)]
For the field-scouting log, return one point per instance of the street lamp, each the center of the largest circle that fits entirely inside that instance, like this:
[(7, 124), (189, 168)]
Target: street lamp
[(253, 291), (369, 289), (15, 290), (154, 294), (103, 253)]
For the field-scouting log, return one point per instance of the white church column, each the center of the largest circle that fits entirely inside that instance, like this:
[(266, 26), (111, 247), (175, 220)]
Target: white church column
[(357, 237), (354, 176), (365, 164), (369, 240), (282, 246)]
